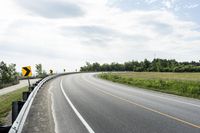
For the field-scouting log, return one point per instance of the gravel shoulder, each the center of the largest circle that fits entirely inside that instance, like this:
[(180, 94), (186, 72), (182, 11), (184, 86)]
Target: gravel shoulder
[(40, 119)]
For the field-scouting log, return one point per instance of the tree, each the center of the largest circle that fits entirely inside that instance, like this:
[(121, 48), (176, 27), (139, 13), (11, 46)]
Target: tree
[(105, 67), (40, 73), (4, 72), (146, 65), (12, 74), (8, 75), (157, 65), (44, 74), (38, 70), (128, 66), (96, 67)]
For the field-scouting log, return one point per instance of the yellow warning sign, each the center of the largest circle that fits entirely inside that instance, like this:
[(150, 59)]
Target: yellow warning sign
[(26, 71)]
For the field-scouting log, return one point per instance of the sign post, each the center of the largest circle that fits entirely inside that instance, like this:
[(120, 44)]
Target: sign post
[(26, 72), (29, 84), (51, 72)]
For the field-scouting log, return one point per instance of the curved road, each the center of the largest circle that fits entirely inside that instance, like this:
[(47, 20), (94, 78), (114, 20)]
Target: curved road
[(83, 103)]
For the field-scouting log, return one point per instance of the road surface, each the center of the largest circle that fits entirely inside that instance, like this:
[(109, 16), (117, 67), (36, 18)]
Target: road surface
[(82, 103), (22, 83)]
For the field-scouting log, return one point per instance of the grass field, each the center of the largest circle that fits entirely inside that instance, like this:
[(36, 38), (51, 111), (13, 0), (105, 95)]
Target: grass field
[(184, 84), (6, 102)]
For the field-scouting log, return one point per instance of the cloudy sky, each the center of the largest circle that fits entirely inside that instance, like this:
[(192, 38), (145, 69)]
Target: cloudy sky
[(67, 33)]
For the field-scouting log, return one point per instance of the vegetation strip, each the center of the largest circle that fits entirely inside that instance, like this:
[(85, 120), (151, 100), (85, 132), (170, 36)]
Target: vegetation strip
[(171, 83), (6, 102), (156, 65)]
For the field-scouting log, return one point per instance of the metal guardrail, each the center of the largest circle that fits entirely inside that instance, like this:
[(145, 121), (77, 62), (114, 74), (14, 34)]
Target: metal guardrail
[(18, 124), (21, 118), (28, 98)]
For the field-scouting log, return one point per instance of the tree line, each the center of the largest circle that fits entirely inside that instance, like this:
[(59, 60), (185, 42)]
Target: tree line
[(156, 65), (9, 76)]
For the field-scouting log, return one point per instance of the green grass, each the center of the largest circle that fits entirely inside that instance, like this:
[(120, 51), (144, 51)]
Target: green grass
[(183, 84), (6, 102)]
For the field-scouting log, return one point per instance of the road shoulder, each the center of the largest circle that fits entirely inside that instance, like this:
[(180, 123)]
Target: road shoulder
[(40, 119)]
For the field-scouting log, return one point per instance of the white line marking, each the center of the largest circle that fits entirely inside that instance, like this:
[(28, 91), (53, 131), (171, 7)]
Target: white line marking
[(53, 111), (90, 130), (147, 108), (191, 104)]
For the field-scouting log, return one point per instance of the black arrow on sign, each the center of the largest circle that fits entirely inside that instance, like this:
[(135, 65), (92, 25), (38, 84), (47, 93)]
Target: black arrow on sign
[(27, 71)]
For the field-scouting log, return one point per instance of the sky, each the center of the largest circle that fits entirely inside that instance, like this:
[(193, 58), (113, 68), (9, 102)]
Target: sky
[(64, 34)]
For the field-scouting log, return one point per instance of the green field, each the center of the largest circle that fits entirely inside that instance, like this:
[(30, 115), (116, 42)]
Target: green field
[(6, 102), (184, 84)]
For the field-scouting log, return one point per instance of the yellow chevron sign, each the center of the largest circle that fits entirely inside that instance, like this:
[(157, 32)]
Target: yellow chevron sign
[(26, 71)]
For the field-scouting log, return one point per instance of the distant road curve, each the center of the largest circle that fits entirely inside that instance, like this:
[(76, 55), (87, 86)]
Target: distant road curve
[(22, 83)]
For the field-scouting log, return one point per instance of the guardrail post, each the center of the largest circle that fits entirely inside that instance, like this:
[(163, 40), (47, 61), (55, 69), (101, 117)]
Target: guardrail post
[(4, 129), (25, 95), (31, 88), (16, 107)]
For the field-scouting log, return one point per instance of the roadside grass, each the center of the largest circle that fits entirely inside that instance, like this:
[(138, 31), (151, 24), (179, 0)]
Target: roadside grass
[(6, 102), (183, 84)]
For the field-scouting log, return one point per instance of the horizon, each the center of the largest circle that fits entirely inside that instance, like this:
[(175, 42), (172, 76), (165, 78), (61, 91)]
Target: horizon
[(33, 68)]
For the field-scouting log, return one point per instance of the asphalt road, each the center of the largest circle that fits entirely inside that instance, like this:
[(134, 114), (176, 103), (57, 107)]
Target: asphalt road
[(82, 103)]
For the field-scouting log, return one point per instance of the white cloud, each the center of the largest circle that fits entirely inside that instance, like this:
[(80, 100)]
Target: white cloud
[(151, 1), (52, 8), (192, 6), (168, 3), (102, 34)]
